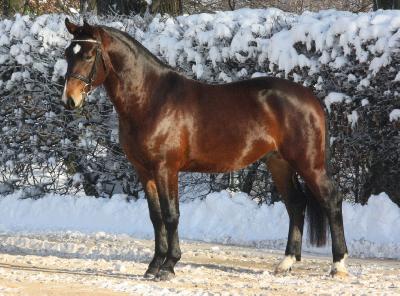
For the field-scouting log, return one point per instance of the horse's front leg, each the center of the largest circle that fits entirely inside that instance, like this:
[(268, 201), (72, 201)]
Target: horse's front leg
[(160, 233), (167, 187)]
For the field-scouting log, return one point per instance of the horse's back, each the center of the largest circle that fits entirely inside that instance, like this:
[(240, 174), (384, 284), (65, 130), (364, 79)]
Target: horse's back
[(235, 124)]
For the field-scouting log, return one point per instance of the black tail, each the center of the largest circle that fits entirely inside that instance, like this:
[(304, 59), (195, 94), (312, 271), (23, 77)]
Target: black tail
[(315, 214), (317, 220)]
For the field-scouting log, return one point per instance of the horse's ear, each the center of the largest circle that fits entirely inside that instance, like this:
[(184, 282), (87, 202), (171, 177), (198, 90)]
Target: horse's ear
[(88, 29), (86, 24), (72, 28)]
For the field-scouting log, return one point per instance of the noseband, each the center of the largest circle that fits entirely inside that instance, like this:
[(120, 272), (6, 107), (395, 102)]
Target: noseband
[(90, 78)]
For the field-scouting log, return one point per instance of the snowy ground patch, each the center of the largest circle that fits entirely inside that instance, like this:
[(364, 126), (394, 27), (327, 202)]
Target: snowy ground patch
[(114, 265), (371, 230)]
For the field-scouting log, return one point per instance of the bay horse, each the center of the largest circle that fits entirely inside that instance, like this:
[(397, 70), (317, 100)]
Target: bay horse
[(169, 123)]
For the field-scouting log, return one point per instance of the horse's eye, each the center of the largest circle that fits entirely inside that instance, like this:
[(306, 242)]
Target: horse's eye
[(88, 58)]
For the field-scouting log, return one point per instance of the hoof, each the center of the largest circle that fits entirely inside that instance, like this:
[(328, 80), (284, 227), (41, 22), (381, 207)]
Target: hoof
[(279, 270), (339, 269), (165, 275), (339, 274), (285, 265), (151, 273)]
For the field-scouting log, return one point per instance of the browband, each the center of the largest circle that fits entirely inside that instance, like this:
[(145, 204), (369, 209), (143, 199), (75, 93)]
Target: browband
[(85, 40)]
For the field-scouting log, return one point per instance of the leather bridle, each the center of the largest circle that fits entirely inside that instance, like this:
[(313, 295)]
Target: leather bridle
[(88, 80)]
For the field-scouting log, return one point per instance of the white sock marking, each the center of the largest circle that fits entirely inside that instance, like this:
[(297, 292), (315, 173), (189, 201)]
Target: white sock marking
[(339, 266), (286, 263)]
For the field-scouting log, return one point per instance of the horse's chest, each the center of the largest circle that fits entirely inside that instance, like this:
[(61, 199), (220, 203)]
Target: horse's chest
[(131, 145), (146, 146)]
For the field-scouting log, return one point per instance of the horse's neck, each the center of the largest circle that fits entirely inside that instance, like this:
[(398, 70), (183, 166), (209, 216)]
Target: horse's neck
[(129, 83)]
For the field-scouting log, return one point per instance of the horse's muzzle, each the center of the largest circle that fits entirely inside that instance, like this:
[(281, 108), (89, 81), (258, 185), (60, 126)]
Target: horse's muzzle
[(70, 104)]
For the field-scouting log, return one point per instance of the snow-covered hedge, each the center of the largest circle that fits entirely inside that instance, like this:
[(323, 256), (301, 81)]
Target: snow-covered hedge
[(350, 60), (44, 147)]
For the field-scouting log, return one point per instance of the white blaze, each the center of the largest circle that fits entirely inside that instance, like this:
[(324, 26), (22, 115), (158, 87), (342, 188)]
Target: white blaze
[(64, 96), (76, 48)]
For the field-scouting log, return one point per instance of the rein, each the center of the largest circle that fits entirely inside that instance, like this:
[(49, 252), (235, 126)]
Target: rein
[(88, 79)]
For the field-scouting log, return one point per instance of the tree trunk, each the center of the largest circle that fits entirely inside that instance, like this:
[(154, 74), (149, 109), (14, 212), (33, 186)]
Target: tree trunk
[(172, 7), (11, 7), (386, 4), (88, 6), (124, 7), (232, 4)]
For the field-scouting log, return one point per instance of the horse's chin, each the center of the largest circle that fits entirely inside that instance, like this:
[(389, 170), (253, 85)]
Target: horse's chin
[(80, 105), (76, 107), (66, 107)]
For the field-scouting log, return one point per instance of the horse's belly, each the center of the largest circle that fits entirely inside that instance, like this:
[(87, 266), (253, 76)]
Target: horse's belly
[(225, 159)]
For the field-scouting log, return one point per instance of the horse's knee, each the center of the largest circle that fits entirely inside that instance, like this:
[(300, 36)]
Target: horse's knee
[(171, 218)]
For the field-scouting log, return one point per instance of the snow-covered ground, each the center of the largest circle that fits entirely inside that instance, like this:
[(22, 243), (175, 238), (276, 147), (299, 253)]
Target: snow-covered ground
[(105, 264), (371, 230)]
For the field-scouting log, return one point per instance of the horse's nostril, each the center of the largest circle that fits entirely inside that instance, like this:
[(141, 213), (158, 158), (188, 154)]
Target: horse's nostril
[(70, 103)]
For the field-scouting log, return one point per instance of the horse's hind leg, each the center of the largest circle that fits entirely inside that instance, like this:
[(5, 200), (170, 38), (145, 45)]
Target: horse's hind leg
[(324, 190), (331, 201), (285, 180)]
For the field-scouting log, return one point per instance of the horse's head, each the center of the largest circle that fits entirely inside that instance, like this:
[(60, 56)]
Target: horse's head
[(86, 66)]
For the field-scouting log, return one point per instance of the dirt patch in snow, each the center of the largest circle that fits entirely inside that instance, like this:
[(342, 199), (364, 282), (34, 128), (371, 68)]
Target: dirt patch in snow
[(65, 264)]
